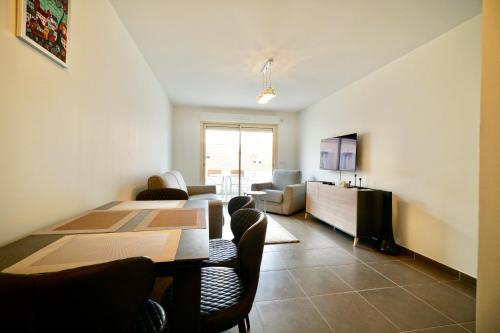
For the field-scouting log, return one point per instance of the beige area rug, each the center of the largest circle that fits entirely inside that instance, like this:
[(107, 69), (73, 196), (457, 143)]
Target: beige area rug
[(276, 234)]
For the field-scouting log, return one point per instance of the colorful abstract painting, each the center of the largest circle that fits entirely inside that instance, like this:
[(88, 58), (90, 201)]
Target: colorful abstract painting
[(44, 25)]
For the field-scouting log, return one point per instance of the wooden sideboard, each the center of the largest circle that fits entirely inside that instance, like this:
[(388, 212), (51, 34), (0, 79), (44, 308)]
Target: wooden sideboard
[(356, 211)]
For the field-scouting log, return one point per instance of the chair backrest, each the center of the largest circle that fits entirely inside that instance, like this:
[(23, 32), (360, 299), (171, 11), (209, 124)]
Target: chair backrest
[(169, 179), (243, 219), (239, 202), (162, 194), (99, 298), (250, 251), (214, 172), (282, 178)]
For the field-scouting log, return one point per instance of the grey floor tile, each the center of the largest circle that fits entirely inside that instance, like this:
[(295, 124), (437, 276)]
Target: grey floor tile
[(432, 270), (360, 276), (447, 300), (317, 242), (291, 316), (464, 287), (267, 248), (271, 261), (319, 281), (471, 327), (286, 247), (340, 238), (316, 257), (350, 313), (283, 306), (367, 253), (255, 323), (401, 273), (403, 309), (275, 285), (443, 329)]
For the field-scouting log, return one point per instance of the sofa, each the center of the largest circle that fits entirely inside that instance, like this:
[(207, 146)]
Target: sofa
[(285, 194), (174, 179)]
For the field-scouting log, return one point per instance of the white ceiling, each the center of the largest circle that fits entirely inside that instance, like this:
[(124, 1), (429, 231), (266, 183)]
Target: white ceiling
[(209, 53)]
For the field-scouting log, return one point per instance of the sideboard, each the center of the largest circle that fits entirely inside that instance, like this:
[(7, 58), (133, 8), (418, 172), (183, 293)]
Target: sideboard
[(356, 211)]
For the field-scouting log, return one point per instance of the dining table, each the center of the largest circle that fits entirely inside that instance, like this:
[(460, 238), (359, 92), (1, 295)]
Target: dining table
[(184, 267)]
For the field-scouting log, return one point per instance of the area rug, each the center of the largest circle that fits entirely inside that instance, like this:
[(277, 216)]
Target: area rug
[(276, 234)]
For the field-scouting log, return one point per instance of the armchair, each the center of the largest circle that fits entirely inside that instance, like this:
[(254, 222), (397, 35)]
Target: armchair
[(285, 194)]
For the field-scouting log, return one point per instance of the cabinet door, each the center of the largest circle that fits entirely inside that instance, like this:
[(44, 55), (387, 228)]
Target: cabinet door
[(339, 207), (311, 196)]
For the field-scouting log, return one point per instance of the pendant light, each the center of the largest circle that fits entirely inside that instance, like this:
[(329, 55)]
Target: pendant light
[(268, 91)]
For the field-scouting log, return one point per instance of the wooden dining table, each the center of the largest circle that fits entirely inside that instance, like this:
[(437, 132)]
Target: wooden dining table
[(185, 268)]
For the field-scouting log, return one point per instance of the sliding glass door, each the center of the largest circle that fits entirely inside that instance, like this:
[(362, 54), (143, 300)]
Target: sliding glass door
[(237, 155)]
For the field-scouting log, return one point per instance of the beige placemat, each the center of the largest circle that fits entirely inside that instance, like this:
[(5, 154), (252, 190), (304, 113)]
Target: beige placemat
[(154, 204), (180, 218), (96, 221), (82, 250)]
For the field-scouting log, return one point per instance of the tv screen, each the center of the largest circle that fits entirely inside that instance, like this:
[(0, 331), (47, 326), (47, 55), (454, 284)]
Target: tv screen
[(339, 153), (329, 151)]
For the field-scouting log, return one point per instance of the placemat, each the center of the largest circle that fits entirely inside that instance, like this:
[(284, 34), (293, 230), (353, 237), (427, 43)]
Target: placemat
[(95, 221), (153, 204), (180, 218), (82, 250)]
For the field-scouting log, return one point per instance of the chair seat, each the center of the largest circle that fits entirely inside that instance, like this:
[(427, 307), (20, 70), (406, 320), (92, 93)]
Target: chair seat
[(273, 196), (151, 318), (221, 288), (205, 196), (222, 252)]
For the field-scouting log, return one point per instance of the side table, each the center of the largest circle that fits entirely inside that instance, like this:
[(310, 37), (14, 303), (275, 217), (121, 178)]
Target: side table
[(257, 197)]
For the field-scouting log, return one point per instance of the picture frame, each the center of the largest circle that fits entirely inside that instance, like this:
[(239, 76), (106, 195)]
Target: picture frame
[(45, 25)]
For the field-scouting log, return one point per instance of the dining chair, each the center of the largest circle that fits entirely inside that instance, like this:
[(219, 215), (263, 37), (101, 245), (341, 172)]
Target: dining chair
[(215, 177), (224, 252), (239, 202), (227, 294), (162, 194), (108, 297)]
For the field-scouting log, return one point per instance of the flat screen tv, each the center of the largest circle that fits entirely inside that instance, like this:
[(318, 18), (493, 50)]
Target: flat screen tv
[(339, 153)]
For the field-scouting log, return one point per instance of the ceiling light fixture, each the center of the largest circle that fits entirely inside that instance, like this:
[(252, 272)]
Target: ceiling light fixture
[(268, 92)]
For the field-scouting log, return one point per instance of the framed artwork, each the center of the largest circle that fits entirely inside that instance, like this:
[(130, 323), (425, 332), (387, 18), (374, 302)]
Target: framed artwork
[(44, 24)]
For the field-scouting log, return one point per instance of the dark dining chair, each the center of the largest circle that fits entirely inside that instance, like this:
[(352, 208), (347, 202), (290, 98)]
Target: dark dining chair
[(108, 297), (239, 202), (224, 252), (227, 294), (162, 194)]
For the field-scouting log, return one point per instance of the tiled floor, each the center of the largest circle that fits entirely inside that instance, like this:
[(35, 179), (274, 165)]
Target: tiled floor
[(323, 284)]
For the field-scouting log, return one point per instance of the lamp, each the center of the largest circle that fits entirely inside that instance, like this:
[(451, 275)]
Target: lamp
[(268, 91)]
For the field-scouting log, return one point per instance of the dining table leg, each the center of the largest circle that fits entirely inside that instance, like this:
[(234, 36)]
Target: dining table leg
[(186, 298)]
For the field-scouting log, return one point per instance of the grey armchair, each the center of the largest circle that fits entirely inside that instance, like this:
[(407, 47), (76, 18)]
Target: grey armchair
[(285, 194)]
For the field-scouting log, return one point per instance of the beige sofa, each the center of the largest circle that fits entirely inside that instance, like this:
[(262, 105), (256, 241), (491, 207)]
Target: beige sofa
[(174, 179), (285, 194)]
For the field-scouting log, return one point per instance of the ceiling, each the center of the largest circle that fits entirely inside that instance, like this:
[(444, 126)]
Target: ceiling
[(209, 53)]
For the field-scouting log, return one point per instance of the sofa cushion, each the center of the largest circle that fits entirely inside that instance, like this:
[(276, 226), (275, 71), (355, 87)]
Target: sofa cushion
[(169, 179), (180, 180), (282, 178), (205, 196), (273, 196)]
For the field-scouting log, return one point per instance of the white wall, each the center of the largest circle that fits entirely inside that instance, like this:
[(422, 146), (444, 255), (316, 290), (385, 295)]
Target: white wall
[(488, 282), (187, 131), (72, 139), (418, 121)]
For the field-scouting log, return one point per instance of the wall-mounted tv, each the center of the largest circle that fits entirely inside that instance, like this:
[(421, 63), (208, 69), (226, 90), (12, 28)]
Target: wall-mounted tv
[(339, 153)]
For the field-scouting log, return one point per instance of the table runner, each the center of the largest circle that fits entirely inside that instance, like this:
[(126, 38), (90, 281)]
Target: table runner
[(153, 204), (186, 218), (96, 221), (82, 250)]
